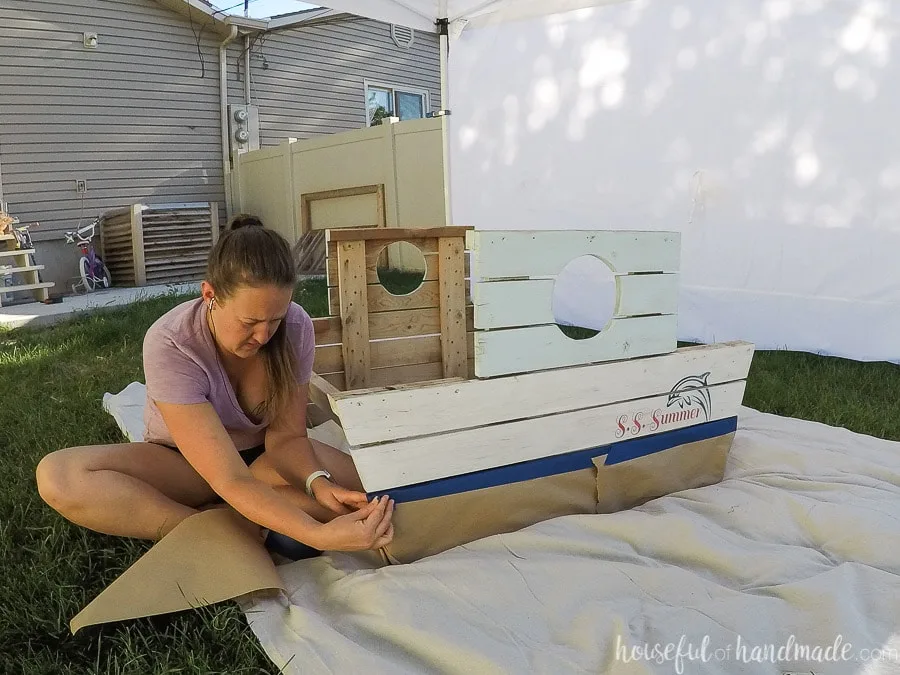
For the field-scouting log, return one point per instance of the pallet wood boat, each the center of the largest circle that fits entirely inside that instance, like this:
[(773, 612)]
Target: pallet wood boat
[(466, 403)]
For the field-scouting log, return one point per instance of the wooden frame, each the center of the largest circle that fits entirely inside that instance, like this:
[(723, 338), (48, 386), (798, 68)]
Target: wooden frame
[(375, 338), (517, 270), (306, 200)]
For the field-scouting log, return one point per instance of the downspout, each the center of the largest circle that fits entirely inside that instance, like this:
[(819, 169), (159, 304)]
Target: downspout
[(2, 204), (247, 69), (223, 117)]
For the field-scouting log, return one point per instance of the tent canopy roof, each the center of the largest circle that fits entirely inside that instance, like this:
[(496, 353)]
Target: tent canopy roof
[(424, 14)]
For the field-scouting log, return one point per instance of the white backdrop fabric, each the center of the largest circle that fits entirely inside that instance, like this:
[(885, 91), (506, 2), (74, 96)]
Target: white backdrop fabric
[(763, 132)]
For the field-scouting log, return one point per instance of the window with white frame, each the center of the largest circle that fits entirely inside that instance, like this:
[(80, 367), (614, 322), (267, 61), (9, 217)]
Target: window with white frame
[(384, 100)]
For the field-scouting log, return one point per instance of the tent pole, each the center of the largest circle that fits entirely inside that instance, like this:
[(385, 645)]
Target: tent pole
[(445, 93), (443, 32)]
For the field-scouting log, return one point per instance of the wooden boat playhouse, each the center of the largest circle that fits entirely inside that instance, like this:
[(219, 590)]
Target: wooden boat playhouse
[(466, 403)]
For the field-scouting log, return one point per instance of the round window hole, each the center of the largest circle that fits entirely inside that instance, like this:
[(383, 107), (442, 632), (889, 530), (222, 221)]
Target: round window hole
[(584, 297), (401, 268)]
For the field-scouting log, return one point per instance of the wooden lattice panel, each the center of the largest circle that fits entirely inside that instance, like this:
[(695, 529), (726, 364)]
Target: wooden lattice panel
[(153, 244)]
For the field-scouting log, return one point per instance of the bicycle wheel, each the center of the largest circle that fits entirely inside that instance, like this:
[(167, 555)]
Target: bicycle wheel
[(87, 277), (106, 279)]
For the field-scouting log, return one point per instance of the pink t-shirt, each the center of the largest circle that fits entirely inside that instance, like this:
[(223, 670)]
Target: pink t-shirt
[(181, 365)]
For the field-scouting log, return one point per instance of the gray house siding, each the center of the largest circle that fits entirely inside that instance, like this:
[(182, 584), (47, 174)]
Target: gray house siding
[(133, 117), (138, 117), (314, 83)]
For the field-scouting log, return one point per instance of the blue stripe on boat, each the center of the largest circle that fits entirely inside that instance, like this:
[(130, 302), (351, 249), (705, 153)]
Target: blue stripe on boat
[(551, 466)]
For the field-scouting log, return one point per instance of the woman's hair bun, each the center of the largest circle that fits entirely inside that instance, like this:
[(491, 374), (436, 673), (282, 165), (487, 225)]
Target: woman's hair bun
[(244, 220)]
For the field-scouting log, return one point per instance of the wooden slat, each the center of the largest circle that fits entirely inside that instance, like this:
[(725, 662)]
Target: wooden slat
[(319, 392), (117, 228), (374, 247), (380, 300), (388, 353), (176, 214), (137, 242), (174, 278), (15, 270), (410, 322), (335, 379), (24, 251), (327, 330), (397, 233), (400, 375), (176, 228), (161, 227), (123, 238), (386, 377), (431, 270), (173, 257), (26, 287), (162, 272), (156, 271), (164, 250), (328, 359), (523, 350), (452, 282), (119, 252), (166, 238), (372, 416), (416, 460), (504, 254), (507, 304), (354, 313), (214, 222)]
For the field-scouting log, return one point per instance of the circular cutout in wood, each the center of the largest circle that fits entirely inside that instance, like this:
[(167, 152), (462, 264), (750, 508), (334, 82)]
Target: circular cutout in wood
[(401, 268), (584, 297)]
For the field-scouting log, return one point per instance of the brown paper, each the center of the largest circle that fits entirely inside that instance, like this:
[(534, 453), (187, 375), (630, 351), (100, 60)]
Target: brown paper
[(207, 558), (637, 481), (210, 557), (430, 526)]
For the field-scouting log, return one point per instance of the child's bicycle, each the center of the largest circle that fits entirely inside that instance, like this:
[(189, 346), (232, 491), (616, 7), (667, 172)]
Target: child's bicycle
[(94, 274)]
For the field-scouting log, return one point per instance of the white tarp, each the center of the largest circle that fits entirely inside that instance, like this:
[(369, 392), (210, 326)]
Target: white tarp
[(795, 553), (764, 132)]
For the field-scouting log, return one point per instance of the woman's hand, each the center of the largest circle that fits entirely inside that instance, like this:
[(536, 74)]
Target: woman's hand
[(368, 528), (337, 499)]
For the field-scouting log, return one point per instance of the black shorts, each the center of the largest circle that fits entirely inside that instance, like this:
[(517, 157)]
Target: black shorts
[(249, 455)]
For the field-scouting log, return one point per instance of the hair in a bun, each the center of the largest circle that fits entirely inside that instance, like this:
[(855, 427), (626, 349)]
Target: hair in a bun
[(244, 220)]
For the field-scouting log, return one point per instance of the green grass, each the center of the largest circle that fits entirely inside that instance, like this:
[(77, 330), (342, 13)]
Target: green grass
[(52, 382)]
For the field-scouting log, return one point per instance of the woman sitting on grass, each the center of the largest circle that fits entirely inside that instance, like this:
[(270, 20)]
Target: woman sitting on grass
[(227, 389)]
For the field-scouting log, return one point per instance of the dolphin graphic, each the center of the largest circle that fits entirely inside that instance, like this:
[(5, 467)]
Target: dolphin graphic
[(690, 391)]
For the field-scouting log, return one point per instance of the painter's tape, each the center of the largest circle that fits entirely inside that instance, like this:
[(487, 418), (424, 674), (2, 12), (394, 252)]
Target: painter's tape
[(560, 464)]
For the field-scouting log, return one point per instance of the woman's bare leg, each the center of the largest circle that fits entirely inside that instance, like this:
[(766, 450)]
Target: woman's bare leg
[(136, 490)]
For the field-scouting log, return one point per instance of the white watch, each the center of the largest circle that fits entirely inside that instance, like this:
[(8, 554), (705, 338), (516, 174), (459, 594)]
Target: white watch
[(312, 477)]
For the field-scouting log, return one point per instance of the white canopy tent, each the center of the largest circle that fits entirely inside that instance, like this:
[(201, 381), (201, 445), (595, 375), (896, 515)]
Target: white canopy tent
[(763, 132)]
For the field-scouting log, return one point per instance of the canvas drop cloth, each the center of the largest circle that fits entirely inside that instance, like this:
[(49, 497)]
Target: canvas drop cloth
[(801, 539), (791, 564)]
